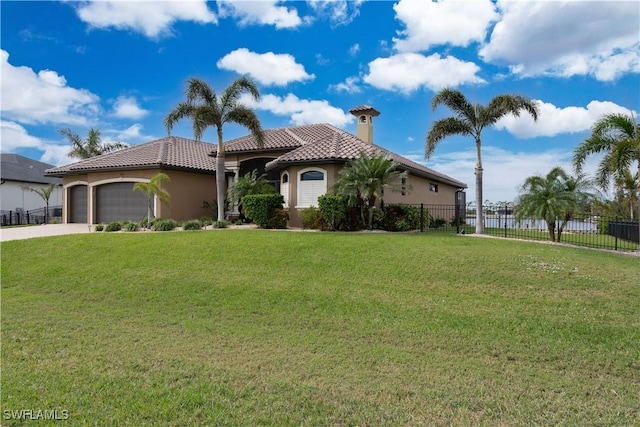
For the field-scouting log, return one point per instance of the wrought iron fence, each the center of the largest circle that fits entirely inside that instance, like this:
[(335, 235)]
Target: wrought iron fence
[(583, 229), (33, 216)]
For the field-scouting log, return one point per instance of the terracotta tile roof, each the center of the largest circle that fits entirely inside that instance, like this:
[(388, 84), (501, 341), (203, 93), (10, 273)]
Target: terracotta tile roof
[(364, 109), (279, 139), (170, 152), (341, 146)]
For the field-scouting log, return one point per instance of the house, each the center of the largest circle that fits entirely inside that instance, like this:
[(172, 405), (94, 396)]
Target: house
[(18, 176), (302, 162)]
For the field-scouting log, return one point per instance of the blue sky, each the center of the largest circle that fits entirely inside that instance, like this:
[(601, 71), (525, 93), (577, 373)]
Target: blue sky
[(120, 66)]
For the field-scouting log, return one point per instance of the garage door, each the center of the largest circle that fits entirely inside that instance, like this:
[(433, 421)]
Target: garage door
[(118, 202), (78, 204)]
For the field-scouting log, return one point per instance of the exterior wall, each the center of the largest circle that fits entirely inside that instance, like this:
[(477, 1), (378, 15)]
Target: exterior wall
[(420, 193), (14, 195), (331, 170), (187, 190)]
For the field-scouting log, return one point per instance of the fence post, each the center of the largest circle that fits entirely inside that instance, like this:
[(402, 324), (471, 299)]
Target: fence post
[(615, 235), (421, 217), (10, 217), (27, 217), (505, 220)]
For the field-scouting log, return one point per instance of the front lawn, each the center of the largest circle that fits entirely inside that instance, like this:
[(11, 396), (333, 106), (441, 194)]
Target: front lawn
[(254, 327)]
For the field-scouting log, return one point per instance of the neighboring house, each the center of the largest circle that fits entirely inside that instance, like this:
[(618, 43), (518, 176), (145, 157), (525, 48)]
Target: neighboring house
[(302, 162), (18, 175)]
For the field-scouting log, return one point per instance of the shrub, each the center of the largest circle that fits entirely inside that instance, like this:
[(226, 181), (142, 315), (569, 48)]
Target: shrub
[(278, 219), (130, 226), (164, 225), (143, 222), (437, 223), (260, 208), (100, 227), (54, 221), (337, 215), (206, 220), (194, 224), (220, 224), (113, 226), (311, 218)]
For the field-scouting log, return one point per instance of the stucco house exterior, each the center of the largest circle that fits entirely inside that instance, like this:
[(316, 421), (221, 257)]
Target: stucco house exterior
[(302, 162), (20, 174)]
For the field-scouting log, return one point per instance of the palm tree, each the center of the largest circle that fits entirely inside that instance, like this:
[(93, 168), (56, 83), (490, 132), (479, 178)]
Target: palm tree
[(205, 109), (153, 189), (555, 198), (248, 184), (470, 120), (90, 147), (365, 179), (618, 136), (45, 193)]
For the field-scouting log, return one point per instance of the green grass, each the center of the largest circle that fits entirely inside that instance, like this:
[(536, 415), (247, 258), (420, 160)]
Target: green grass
[(253, 327)]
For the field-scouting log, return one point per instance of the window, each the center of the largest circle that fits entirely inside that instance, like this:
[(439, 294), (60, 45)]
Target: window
[(312, 176), (433, 188), (284, 188), (363, 119), (312, 183)]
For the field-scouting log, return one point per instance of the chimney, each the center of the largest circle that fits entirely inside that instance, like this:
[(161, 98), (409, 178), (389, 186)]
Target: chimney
[(365, 115)]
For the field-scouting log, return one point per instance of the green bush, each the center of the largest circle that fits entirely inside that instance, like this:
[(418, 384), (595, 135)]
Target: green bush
[(100, 227), (130, 226), (311, 218), (143, 222), (206, 220), (194, 224), (260, 208), (164, 225), (220, 224), (278, 219), (337, 215), (113, 226), (437, 223)]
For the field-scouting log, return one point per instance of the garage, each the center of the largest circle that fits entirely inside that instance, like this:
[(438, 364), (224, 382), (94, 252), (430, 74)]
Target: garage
[(78, 204), (118, 202)]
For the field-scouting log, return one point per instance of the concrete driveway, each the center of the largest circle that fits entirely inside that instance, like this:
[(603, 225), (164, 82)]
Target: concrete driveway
[(19, 233)]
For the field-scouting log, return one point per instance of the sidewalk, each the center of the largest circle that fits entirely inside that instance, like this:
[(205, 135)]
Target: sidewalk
[(29, 232)]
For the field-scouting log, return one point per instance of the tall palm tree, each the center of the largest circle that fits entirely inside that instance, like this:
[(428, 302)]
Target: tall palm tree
[(366, 178), (153, 189), (90, 147), (205, 109), (618, 137), (555, 198), (471, 120)]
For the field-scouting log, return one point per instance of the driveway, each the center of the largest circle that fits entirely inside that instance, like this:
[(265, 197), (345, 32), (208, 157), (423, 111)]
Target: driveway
[(19, 233)]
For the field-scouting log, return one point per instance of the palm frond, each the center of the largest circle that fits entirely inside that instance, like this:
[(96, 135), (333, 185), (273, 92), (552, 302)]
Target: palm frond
[(442, 129)]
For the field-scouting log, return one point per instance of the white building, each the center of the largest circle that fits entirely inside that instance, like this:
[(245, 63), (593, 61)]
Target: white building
[(18, 175)]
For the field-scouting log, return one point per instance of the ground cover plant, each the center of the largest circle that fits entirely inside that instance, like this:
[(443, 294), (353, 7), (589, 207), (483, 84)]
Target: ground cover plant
[(258, 327)]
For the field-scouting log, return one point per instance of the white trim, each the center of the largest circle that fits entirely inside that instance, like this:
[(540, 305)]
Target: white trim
[(66, 199), (284, 188)]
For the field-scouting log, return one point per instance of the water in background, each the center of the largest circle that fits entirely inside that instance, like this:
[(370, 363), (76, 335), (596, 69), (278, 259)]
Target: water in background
[(497, 221)]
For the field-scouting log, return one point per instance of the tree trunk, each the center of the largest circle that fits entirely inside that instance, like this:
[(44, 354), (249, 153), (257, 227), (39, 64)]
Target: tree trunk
[(551, 226), (149, 211), (479, 207), (479, 210), (220, 176)]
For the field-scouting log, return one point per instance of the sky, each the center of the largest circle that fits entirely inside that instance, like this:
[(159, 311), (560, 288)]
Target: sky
[(121, 66)]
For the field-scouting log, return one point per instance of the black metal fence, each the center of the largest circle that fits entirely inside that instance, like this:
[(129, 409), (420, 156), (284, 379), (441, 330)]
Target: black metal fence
[(33, 216), (584, 229)]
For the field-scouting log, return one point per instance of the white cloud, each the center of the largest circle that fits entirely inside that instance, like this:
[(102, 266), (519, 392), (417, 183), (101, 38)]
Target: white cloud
[(338, 12), (264, 12), (504, 170), (15, 137), (267, 68), (350, 85), (553, 120), (407, 72), (566, 38), (151, 18), (454, 22), (126, 107), (44, 97), (353, 50), (301, 111)]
